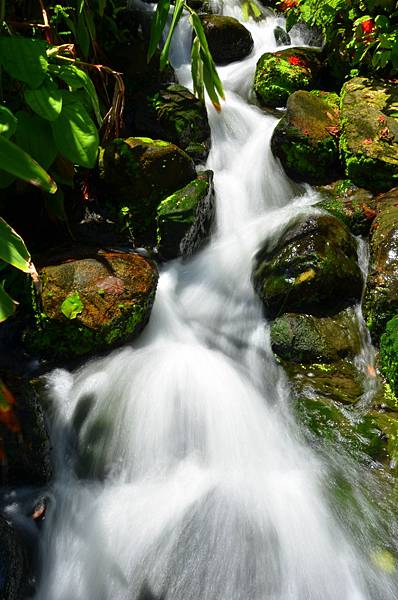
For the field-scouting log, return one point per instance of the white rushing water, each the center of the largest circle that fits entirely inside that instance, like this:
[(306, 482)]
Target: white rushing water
[(180, 473)]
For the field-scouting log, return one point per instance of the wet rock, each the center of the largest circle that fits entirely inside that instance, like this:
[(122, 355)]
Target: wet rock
[(92, 303), (139, 173), (355, 207), (381, 295), (228, 39), (306, 138), (389, 354), (13, 564), (279, 74), (170, 113), (24, 440), (185, 218), (312, 269), (369, 133), (282, 38), (307, 339)]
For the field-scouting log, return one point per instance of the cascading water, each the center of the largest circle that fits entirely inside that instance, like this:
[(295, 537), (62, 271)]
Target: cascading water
[(180, 473)]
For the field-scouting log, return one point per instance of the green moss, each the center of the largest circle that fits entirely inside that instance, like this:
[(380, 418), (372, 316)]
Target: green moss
[(389, 354)]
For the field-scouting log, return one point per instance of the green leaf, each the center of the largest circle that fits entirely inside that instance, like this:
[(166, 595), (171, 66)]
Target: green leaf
[(75, 134), (45, 100), (197, 70), (6, 179), (17, 162), (72, 306), (24, 59), (77, 78), (209, 84), (178, 8), (83, 36), (8, 122), (12, 248), (35, 136), (7, 304), (101, 7), (157, 26), (382, 22)]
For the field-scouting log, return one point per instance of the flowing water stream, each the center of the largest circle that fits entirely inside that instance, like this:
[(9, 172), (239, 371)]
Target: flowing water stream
[(181, 474)]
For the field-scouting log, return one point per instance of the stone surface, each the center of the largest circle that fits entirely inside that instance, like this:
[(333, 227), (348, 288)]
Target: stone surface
[(228, 39), (313, 269), (306, 138), (282, 38), (139, 173), (281, 73), (185, 218), (91, 303), (173, 114), (369, 133), (355, 207), (381, 295), (13, 564), (304, 338)]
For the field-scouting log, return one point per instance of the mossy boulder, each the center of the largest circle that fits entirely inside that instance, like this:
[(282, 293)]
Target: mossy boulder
[(170, 113), (24, 439), (307, 339), (306, 138), (228, 39), (14, 571), (389, 354), (355, 207), (381, 295), (369, 133), (139, 173), (185, 218), (92, 303), (279, 74), (312, 269)]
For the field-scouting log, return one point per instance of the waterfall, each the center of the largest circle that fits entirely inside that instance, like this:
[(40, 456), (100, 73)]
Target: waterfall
[(181, 473)]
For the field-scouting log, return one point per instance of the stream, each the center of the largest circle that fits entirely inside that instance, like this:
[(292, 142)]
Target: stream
[(181, 472)]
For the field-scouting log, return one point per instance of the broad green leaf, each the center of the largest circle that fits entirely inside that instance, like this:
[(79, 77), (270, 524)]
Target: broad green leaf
[(35, 136), (157, 26), (178, 8), (197, 69), (76, 135), (8, 122), (209, 84), (77, 78), (24, 59), (45, 100), (7, 304), (17, 162), (206, 54), (12, 248), (72, 306)]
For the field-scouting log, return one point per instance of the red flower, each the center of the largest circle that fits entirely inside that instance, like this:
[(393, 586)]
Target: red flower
[(296, 60), (368, 26), (287, 5)]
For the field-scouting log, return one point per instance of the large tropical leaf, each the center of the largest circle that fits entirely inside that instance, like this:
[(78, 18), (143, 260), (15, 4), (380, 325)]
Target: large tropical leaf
[(7, 304), (76, 78), (24, 59), (35, 136), (12, 248), (17, 162), (157, 26), (46, 100), (8, 122)]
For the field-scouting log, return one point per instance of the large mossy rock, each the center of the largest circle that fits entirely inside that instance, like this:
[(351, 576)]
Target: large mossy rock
[(381, 295), (24, 440), (389, 354), (92, 303), (355, 207), (228, 39), (170, 113), (307, 339), (369, 133), (279, 74), (139, 173), (185, 218), (13, 564), (312, 269), (305, 139)]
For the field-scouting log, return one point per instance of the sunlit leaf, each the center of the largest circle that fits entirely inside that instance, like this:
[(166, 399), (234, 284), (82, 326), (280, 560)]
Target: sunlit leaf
[(24, 59), (197, 69), (72, 306), (178, 8), (46, 100), (8, 122), (12, 248), (76, 78), (7, 304), (17, 162), (157, 26)]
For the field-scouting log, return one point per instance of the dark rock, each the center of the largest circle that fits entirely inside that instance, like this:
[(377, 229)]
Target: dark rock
[(185, 218), (279, 74), (355, 207), (228, 39), (369, 133), (93, 303), (13, 564), (307, 339), (139, 174), (313, 269), (282, 38), (306, 138), (381, 295), (173, 114)]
